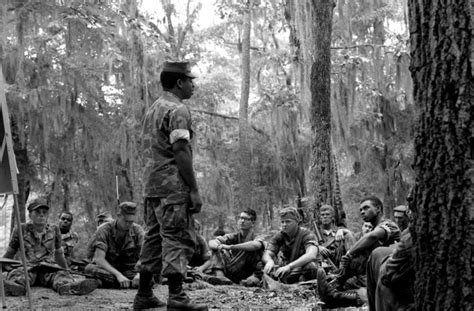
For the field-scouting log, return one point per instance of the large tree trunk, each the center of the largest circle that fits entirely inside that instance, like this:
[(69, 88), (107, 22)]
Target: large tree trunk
[(322, 174), (245, 174), (441, 38)]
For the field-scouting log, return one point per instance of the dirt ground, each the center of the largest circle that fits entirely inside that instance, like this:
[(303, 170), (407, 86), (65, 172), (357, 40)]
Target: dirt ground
[(286, 297)]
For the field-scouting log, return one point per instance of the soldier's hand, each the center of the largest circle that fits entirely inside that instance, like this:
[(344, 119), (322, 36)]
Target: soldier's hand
[(123, 281), (136, 280), (282, 271), (268, 267), (324, 251), (345, 261), (196, 202)]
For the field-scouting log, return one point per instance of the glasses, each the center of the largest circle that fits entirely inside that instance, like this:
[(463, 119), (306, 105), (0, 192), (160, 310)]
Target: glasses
[(245, 218), (65, 218)]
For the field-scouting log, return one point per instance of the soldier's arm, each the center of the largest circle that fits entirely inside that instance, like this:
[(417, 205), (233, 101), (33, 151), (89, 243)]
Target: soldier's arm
[(58, 249), (246, 246), (184, 161), (59, 257), (367, 241), (99, 259), (310, 255)]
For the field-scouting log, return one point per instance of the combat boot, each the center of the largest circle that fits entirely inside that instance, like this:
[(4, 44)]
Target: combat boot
[(334, 298), (177, 298), (14, 289), (147, 302), (83, 287)]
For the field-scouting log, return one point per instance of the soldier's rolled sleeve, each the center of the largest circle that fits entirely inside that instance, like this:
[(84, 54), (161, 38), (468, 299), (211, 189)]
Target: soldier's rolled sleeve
[(260, 239), (310, 239), (274, 244), (390, 228), (101, 239)]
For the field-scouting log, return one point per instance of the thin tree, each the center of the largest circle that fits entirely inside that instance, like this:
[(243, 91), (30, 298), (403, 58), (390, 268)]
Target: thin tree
[(441, 67), (245, 174)]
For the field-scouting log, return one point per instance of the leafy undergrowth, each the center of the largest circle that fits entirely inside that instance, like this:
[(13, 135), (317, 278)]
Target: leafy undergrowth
[(284, 297)]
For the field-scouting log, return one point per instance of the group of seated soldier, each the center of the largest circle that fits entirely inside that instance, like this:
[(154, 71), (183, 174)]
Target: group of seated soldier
[(338, 261)]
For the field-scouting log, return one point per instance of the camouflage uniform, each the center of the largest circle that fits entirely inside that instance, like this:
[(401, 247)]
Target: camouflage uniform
[(121, 254), (282, 246), (68, 242), (238, 264), (171, 231), (39, 247)]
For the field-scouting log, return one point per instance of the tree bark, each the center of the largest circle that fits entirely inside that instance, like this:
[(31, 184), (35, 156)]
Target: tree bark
[(245, 180), (441, 41), (322, 175)]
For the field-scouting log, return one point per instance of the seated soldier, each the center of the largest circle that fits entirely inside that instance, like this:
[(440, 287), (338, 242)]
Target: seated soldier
[(237, 255), (292, 253), (336, 241), (69, 239), (44, 255), (390, 271), (117, 249), (100, 219), (354, 262), (366, 228), (201, 260), (400, 217)]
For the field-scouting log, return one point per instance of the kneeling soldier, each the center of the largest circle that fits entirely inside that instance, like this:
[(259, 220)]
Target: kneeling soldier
[(117, 249)]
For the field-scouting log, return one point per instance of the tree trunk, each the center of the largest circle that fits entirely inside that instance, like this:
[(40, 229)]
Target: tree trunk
[(245, 174), (321, 177), (441, 37)]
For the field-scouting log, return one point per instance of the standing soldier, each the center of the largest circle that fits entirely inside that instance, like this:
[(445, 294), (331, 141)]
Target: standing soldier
[(171, 192)]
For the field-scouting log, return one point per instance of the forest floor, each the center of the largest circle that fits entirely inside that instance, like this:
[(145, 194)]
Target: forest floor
[(222, 297)]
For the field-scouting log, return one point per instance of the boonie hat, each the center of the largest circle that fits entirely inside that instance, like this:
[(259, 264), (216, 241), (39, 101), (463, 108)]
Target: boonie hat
[(179, 67), (37, 203), (128, 208)]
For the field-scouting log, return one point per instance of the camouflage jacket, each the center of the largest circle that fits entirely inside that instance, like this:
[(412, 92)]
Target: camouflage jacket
[(69, 241), (39, 247), (166, 121), (121, 254)]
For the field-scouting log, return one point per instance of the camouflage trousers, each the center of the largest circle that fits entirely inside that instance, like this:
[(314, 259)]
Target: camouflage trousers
[(47, 279), (108, 279), (171, 239)]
